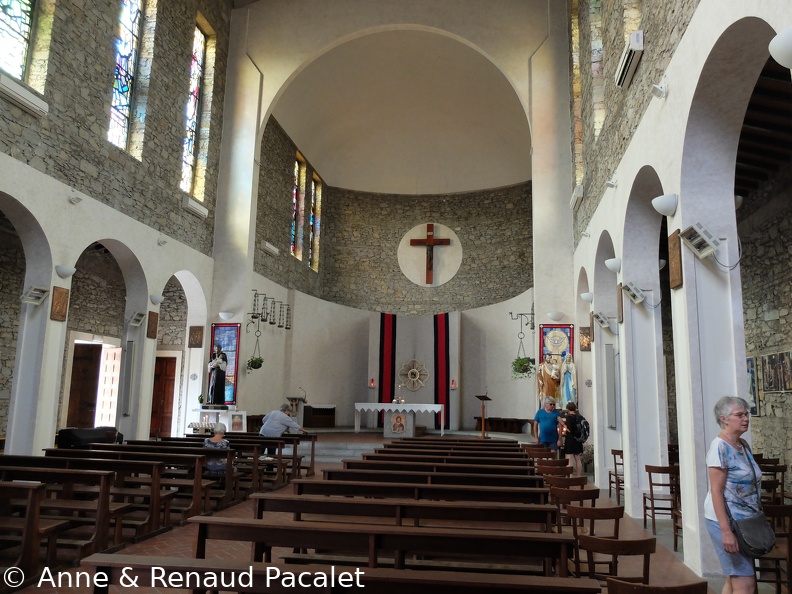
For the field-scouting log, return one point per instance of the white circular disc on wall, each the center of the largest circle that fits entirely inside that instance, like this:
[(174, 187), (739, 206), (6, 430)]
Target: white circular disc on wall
[(446, 259)]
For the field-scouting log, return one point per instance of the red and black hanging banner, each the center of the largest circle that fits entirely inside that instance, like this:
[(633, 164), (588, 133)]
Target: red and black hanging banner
[(442, 366), (387, 359)]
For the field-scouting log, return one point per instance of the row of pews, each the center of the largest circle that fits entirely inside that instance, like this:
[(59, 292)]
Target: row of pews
[(59, 508), (431, 515)]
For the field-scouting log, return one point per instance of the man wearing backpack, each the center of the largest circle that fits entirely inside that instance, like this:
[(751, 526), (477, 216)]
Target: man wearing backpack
[(575, 434)]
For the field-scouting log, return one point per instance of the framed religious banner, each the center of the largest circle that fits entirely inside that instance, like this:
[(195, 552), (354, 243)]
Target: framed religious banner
[(60, 304), (195, 338), (753, 396), (227, 336), (557, 340)]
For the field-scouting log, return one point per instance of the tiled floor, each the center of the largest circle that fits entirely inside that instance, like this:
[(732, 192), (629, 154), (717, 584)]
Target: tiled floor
[(666, 568)]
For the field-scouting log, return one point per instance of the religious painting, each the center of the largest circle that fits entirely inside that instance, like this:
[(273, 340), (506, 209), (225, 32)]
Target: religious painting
[(752, 398), (397, 423), (238, 421), (60, 304), (675, 260), (195, 337), (557, 340), (777, 372), (153, 321), (227, 336), (585, 338)]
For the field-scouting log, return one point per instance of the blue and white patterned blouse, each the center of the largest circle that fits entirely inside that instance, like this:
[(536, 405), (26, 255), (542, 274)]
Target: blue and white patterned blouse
[(741, 493), (216, 465)]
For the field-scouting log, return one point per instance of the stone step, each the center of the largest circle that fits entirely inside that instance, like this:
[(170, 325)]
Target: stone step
[(334, 452)]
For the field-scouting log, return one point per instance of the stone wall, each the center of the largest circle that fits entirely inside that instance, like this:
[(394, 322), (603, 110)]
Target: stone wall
[(765, 229), (359, 265), (12, 278), (663, 24), (273, 217), (70, 144), (172, 331)]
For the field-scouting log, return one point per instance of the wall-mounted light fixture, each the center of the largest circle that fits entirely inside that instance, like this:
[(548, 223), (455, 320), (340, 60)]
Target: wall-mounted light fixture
[(588, 297), (781, 48), (34, 295), (661, 264), (635, 294), (270, 249), (157, 299), (666, 204), (74, 199), (613, 264), (225, 315), (372, 385), (453, 384), (65, 271), (738, 201), (660, 90), (577, 197), (612, 182), (161, 241), (137, 318), (556, 316), (700, 240)]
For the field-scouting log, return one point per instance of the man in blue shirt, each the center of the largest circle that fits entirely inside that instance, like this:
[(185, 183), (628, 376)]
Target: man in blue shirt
[(546, 424)]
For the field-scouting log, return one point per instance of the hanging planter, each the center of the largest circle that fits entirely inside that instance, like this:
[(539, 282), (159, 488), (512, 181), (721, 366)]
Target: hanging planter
[(255, 362), (523, 367)]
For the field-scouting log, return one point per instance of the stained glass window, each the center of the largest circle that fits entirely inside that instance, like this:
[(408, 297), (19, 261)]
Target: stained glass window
[(315, 223), (193, 110), (127, 45), (295, 200), (312, 199), (16, 20)]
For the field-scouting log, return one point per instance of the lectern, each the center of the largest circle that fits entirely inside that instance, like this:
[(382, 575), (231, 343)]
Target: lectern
[(484, 398)]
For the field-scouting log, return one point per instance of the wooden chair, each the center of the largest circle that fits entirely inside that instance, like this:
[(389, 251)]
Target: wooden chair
[(565, 482), (549, 462), (563, 497), (554, 470), (621, 587), (662, 496), (616, 476), (773, 477), (616, 548), (773, 568), (578, 514)]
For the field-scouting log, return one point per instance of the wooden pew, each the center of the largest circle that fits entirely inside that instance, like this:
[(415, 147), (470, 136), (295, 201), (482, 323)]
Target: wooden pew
[(373, 540), (428, 447), (466, 452), (157, 503), (26, 527), (517, 515), (442, 457), (421, 491), (273, 579), (295, 439), (194, 486), (434, 478), (461, 440), (229, 492), (86, 537), (367, 464)]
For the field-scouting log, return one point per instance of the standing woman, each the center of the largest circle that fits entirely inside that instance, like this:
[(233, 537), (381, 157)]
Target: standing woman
[(734, 482)]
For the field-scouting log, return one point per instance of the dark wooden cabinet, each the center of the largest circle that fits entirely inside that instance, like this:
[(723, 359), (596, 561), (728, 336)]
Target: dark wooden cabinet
[(318, 416)]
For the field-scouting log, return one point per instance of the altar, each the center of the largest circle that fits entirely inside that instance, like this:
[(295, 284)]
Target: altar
[(399, 418)]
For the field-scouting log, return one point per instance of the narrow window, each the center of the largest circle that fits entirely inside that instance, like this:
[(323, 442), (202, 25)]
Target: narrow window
[(16, 25), (127, 46), (316, 216), (298, 208), (193, 111)]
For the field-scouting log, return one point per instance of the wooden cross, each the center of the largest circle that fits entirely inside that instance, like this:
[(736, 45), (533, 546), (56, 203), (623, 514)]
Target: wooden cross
[(429, 241)]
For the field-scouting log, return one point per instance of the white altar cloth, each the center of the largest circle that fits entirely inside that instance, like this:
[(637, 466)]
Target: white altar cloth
[(399, 408)]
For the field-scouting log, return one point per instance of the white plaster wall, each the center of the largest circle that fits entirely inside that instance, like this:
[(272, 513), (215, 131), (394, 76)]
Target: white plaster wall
[(489, 344)]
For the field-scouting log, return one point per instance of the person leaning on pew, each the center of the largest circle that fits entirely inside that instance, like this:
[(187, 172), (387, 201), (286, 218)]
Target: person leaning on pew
[(275, 423)]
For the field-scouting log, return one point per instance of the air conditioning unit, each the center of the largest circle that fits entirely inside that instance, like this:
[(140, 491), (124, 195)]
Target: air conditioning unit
[(137, 319), (577, 197), (629, 59), (699, 239), (635, 294), (22, 97), (34, 295), (270, 249), (602, 319)]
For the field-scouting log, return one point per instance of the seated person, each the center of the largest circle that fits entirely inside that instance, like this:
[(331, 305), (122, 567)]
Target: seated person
[(216, 465)]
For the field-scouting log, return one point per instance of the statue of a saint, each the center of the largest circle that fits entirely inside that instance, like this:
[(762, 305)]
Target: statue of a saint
[(548, 377)]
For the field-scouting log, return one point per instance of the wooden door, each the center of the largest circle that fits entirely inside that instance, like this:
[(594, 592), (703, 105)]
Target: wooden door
[(84, 385), (162, 398), (109, 376)]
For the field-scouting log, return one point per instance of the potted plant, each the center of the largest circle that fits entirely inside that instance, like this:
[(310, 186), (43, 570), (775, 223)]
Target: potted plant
[(523, 367), (255, 362), (200, 399)]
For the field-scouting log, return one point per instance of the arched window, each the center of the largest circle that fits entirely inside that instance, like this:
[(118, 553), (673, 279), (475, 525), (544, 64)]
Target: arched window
[(16, 31), (193, 116), (126, 57)]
